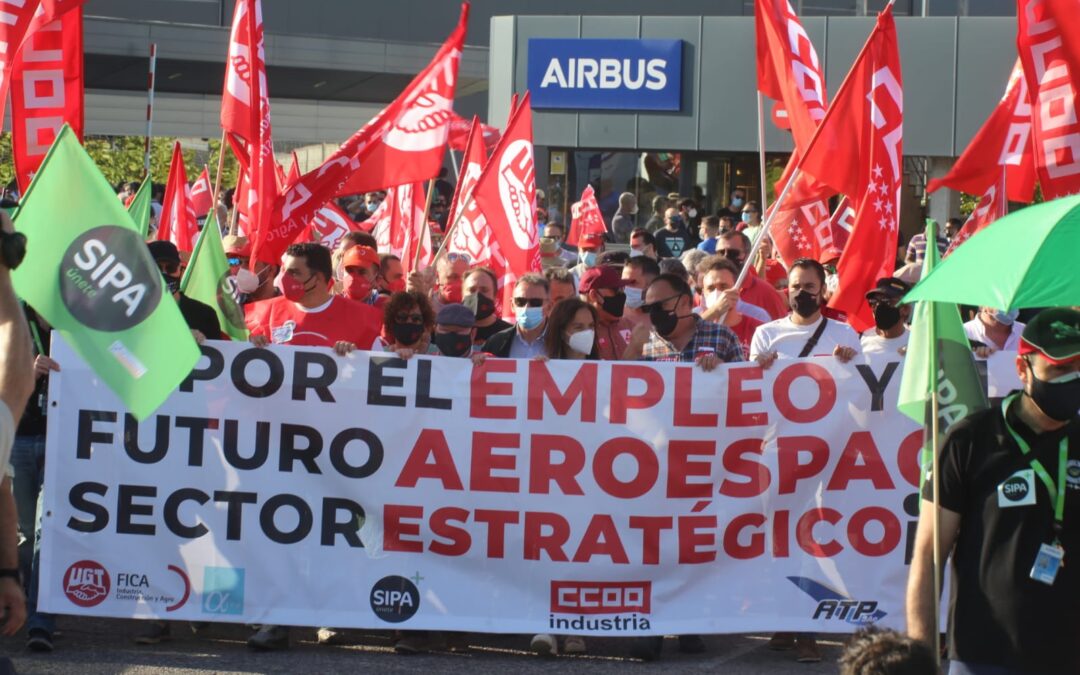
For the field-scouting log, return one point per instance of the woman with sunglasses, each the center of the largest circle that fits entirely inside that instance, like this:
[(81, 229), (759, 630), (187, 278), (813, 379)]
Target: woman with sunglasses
[(407, 324)]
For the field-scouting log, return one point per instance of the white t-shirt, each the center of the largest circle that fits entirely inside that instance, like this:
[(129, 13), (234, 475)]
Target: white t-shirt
[(975, 330), (7, 435), (787, 339), (872, 343)]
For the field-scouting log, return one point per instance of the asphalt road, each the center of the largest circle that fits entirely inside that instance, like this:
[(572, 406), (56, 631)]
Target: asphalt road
[(100, 646)]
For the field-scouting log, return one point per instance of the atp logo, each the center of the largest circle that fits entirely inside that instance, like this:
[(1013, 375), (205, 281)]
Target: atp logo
[(834, 605), (517, 191)]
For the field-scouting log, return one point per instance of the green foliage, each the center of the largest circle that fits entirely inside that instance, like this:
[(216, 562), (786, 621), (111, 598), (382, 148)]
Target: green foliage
[(120, 159)]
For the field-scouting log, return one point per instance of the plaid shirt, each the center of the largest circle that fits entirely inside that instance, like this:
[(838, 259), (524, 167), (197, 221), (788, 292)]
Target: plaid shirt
[(708, 337)]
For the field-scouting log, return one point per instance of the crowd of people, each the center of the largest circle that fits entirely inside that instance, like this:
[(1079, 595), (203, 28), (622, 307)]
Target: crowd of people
[(663, 290)]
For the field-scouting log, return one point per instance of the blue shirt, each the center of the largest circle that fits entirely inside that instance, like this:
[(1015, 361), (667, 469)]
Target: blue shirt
[(709, 246)]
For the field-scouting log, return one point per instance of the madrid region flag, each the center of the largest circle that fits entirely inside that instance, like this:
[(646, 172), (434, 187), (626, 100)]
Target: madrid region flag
[(858, 151)]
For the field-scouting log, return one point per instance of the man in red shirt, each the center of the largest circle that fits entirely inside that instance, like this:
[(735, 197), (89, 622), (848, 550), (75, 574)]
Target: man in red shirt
[(307, 314), (602, 287), (359, 270), (718, 277), (734, 246)]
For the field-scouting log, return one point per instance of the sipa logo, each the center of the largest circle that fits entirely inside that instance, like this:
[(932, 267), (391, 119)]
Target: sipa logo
[(86, 583), (517, 191), (833, 604), (601, 597), (395, 599)]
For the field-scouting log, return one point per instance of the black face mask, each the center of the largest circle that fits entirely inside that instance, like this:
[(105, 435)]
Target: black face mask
[(172, 284), (485, 307), (453, 344), (615, 305), (805, 304), (407, 333), (664, 321), (886, 316), (1058, 400)]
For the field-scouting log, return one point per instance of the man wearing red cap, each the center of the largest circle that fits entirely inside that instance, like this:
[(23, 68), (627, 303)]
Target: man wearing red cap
[(1009, 498), (360, 265), (602, 287)]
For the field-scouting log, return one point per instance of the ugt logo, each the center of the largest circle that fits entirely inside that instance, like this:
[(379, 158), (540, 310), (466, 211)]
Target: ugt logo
[(223, 590), (833, 604)]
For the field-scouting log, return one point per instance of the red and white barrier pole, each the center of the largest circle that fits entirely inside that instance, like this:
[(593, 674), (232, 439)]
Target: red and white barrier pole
[(149, 107)]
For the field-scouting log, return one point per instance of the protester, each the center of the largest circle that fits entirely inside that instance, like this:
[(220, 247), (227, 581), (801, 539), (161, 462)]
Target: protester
[(391, 275), (481, 289), (688, 211), (709, 230), (642, 242), (561, 285), (735, 246), (673, 238), (916, 248), (805, 331), (728, 222), (675, 267), (555, 233), (1008, 512), (656, 220), (590, 247), (690, 260), (551, 253), (602, 289), (450, 269), (360, 269), (347, 241), (737, 202), (408, 321), (873, 651), (993, 330), (200, 317), (455, 330), (890, 334), (625, 219), (751, 220), (953, 227), (639, 272), (16, 386), (524, 340), (721, 300)]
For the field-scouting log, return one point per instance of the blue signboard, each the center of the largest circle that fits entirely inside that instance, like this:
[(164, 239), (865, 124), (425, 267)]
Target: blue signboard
[(605, 74)]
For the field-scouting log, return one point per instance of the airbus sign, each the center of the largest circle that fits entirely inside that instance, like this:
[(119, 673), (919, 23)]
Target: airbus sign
[(604, 74)]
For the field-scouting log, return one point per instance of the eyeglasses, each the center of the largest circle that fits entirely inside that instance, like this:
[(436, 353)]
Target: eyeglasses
[(233, 262), (659, 303), (409, 318), (530, 302), (454, 257)]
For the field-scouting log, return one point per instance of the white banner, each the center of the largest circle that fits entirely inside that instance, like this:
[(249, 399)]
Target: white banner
[(516, 497)]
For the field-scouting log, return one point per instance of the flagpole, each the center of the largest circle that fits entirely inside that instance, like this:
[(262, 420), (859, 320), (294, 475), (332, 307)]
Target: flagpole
[(217, 176), (935, 476), (761, 151), (149, 107), (453, 162), (427, 210)]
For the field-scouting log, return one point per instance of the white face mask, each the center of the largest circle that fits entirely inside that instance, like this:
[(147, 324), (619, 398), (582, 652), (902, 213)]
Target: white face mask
[(635, 252), (246, 280), (692, 213), (712, 298), (582, 341), (634, 297)]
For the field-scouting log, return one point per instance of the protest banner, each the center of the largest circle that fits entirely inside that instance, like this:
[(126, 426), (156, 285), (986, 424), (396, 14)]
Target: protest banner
[(291, 486)]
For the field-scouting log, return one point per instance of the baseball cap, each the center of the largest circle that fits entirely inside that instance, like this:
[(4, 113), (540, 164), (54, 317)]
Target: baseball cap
[(889, 288), (593, 240), (360, 256), (164, 250), (455, 314), (236, 245), (602, 276), (1054, 334)]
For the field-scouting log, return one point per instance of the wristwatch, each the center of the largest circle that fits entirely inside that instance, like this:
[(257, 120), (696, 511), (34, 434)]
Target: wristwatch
[(12, 248), (12, 572)]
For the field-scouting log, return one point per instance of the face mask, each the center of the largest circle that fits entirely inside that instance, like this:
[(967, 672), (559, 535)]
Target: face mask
[(529, 317), (1059, 399), (451, 292), (171, 283), (485, 307), (397, 286), (635, 252), (549, 248), (746, 216), (582, 341), (713, 298), (663, 321), (373, 206), (407, 333), (692, 213), (246, 280), (453, 344), (737, 202), (357, 287), (676, 221), (805, 304), (634, 297), (615, 305), (1006, 318), (886, 316), (588, 258), (294, 289)]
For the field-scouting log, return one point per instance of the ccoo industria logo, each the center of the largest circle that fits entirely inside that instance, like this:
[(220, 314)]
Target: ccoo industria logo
[(605, 74), (832, 605)]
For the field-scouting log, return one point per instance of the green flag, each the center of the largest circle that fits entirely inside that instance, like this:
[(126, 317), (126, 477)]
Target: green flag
[(939, 358), (89, 273), (207, 280), (139, 209)]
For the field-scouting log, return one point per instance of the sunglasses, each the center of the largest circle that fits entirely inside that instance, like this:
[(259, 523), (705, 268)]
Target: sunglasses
[(659, 303), (409, 318), (528, 302), (454, 257), (233, 262)]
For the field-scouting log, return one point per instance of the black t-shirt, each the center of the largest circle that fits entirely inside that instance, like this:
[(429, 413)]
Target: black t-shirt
[(671, 244), (998, 615), (484, 332), (200, 316)]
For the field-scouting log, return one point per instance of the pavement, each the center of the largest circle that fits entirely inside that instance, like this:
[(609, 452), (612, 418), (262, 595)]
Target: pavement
[(93, 646)]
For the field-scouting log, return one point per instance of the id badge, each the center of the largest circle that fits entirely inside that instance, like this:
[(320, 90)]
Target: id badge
[(1047, 564)]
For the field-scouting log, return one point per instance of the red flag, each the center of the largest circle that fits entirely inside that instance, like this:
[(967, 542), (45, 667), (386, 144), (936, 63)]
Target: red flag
[(202, 197), (460, 128), (400, 228), (294, 172), (858, 151), (471, 235), (1052, 68), (1004, 140), (329, 225), (788, 70), (392, 147), (14, 26), (47, 89), (585, 217), (506, 194), (245, 115), (177, 223), (992, 205)]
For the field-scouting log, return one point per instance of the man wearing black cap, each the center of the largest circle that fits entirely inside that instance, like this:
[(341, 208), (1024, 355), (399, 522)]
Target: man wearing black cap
[(1010, 503), (602, 287), (200, 317), (890, 334)]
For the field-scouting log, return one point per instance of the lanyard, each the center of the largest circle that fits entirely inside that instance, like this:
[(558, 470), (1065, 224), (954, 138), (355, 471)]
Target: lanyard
[(37, 336), (1057, 492)]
